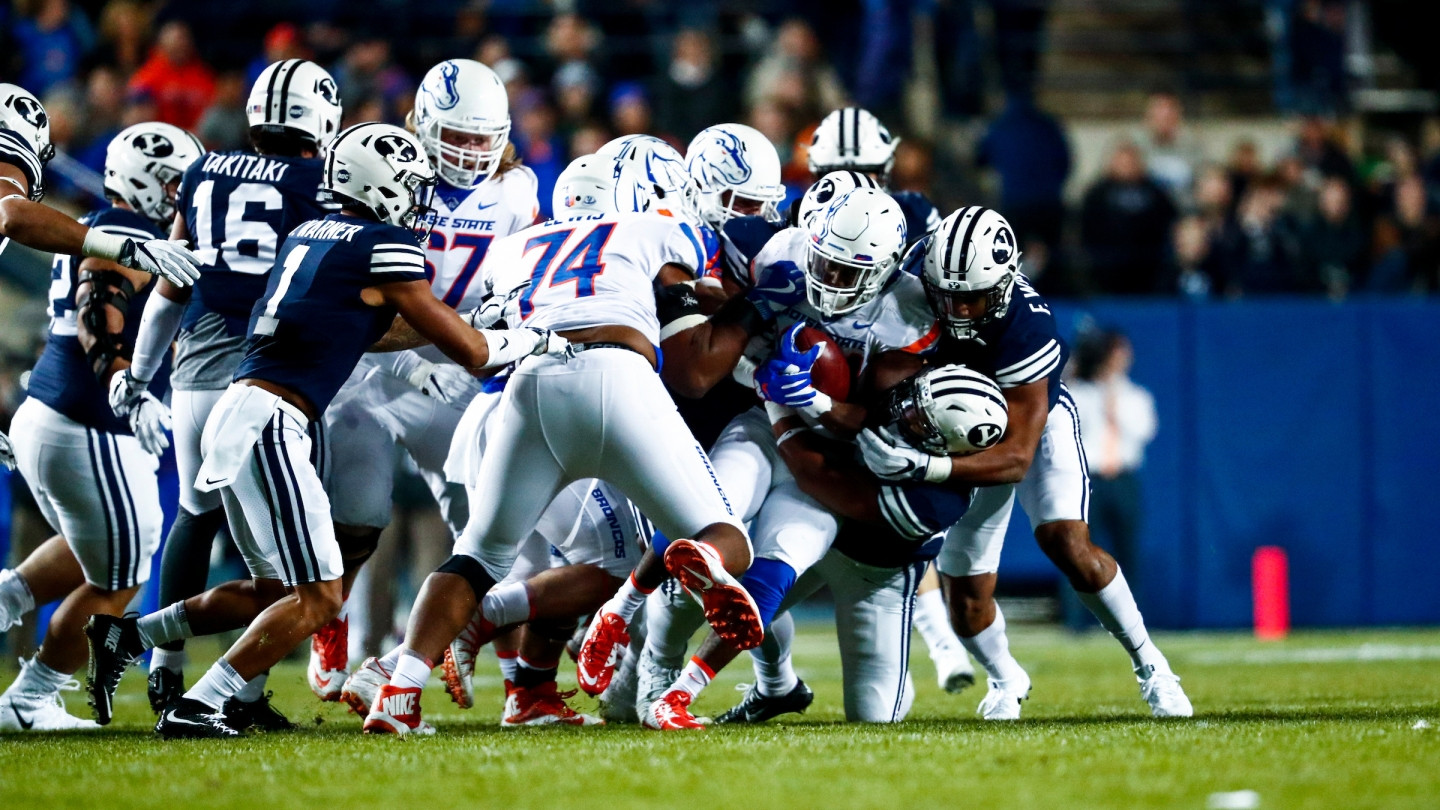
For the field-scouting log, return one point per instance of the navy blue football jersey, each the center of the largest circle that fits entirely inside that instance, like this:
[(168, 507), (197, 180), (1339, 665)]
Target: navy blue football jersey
[(239, 207), (1021, 348), (921, 216), (309, 329), (915, 515), (16, 151), (62, 377)]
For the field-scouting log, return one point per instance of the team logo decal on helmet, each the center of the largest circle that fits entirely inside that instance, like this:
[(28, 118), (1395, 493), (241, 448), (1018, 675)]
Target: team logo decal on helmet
[(31, 111), (442, 89), (1004, 246), (154, 145), (325, 88), (984, 435), (396, 147), (733, 171)]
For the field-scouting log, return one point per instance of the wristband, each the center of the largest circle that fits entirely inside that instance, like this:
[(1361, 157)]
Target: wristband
[(819, 406), (101, 245), (789, 434), (744, 372), (937, 470), (776, 411)]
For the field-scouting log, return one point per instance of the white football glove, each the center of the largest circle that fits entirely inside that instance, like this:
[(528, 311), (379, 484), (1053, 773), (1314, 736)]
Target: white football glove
[(892, 458), (7, 452), (159, 257), (149, 420), (510, 345), (487, 314), (125, 392), (446, 382)]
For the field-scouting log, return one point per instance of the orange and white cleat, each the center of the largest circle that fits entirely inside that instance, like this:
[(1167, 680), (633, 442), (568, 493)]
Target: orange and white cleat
[(605, 644), (363, 685), (671, 713), (457, 669), (329, 659), (729, 608), (542, 706), (396, 710)]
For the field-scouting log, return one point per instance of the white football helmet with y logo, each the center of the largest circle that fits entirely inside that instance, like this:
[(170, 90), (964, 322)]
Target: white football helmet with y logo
[(142, 162), (853, 248), (737, 171), (381, 169), (950, 410), (296, 96), (462, 116), (851, 138), (973, 251), (820, 194), (22, 114)]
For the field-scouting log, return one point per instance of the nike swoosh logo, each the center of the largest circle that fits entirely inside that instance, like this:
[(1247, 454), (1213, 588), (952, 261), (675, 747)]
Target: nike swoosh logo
[(585, 677), (862, 325), (172, 718), (25, 724), (323, 682), (213, 480), (504, 342), (709, 583), (479, 207)]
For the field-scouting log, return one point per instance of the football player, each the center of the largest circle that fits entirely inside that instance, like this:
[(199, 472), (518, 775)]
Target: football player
[(235, 208), (890, 534), (91, 473), (996, 323), (462, 117), (591, 275), (340, 283)]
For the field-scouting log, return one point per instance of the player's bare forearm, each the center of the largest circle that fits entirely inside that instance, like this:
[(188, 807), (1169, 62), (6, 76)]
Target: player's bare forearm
[(845, 419), (40, 226), (437, 323), (847, 489), (1008, 461), (702, 356), (401, 336)]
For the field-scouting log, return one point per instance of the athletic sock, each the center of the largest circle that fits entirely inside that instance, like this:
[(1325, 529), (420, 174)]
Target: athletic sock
[(528, 674), (254, 688), (504, 605), (774, 671), (220, 683), (36, 678), (1114, 605), (173, 660), (15, 597), (411, 672), (509, 663), (672, 618), (164, 625), (389, 660), (693, 678), (627, 600), (991, 648), (932, 619)]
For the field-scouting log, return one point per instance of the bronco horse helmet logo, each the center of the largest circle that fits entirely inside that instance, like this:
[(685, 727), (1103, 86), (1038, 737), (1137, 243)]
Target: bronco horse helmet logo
[(442, 90), (725, 164)]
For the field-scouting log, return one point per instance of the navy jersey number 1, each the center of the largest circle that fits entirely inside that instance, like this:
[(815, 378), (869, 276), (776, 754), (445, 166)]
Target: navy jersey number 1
[(581, 265)]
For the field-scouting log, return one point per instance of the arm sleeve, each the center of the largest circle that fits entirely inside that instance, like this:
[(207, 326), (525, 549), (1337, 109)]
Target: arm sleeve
[(678, 309), (158, 327)]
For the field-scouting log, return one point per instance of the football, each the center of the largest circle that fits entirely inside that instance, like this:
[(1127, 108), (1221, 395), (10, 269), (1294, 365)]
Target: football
[(831, 373)]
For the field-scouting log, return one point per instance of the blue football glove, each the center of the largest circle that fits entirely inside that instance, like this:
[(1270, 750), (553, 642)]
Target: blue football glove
[(785, 378), (779, 286)]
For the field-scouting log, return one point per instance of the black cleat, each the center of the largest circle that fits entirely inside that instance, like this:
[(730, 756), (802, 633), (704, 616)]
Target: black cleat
[(258, 714), (163, 688), (757, 708), (187, 718), (114, 645)]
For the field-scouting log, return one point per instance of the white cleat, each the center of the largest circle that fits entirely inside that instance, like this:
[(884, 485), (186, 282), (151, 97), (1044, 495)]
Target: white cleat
[(955, 673), (363, 685), (1162, 691), (28, 711), (653, 678), (1003, 700)]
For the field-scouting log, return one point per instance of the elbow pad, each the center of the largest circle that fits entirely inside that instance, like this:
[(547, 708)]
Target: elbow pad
[(678, 308), (107, 288)]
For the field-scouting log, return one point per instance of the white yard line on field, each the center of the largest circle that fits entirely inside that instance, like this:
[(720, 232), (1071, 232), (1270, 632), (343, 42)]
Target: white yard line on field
[(1319, 655)]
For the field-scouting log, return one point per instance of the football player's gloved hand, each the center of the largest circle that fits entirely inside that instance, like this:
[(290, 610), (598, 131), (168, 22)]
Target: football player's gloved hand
[(125, 392), (487, 314), (446, 382), (159, 257), (785, 377), (7, 452), (780, 285), (509, 345), (149, 420), (892, 458)]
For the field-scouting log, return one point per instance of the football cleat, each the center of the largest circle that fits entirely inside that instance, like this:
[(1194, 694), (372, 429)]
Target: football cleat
[(329, 659), (757, 708), (257, 714), (114, 645), (542, 706), (955, 673), (671, 713), (1003, 700), (188, 718), (653, 678), (1162, 691), (457, 669), (363, 685), (41, 711), (162, 687), (728, 606), (396, 710), (605, 644)]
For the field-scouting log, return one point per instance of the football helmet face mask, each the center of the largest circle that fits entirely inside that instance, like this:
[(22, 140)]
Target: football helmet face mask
[(296, 96), (950, 410), (22, 113), (143, 165), (851, 138), (853, 248), (737, 172), (818, 197), (600, 185), (382, 170), (974, 252), (663, 168), (462, 116)]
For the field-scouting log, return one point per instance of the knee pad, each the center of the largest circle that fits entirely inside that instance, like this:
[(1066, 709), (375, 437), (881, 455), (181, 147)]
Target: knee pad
[(768, 581), (469, 568), (355, 549), (554, 630)]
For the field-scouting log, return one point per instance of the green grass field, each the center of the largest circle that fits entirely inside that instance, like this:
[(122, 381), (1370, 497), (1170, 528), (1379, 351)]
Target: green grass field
[(1322, 720)]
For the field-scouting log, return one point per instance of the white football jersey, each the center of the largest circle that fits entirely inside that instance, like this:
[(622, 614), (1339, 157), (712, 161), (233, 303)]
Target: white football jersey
[(464, 234), (898, 318), (591, 271)]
